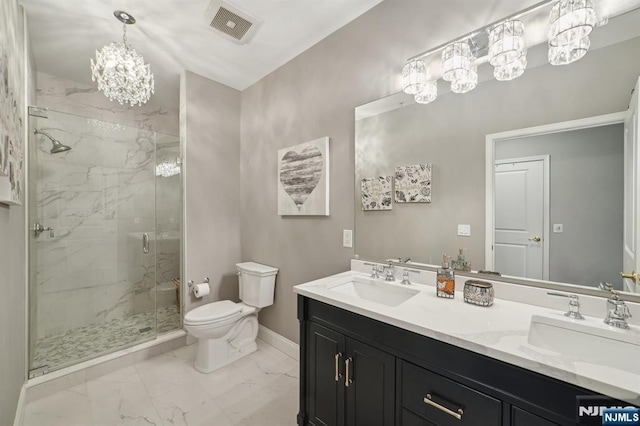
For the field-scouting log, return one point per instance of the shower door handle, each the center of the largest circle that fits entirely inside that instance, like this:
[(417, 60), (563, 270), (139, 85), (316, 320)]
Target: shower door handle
[(145, 243)]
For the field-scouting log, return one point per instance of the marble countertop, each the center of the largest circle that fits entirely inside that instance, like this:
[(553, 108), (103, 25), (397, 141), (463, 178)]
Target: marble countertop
[(500, 331)]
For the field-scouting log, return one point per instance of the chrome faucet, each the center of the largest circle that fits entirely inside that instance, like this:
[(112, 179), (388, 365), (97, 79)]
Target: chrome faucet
[(374, 270), (617, 311), (389, 272), (405, 275), (574, 305)]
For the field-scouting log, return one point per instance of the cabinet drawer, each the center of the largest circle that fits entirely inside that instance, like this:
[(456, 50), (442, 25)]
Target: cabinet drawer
[(448, 399), (519, 417), (410, 419)]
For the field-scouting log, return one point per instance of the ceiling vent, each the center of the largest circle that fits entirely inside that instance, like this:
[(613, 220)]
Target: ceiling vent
[(231, 22)]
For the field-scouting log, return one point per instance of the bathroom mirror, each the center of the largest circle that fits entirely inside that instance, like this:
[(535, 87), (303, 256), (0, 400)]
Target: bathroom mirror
[(451, 134)]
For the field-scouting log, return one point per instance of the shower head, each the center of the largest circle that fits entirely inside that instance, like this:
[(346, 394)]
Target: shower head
[(57, 146)]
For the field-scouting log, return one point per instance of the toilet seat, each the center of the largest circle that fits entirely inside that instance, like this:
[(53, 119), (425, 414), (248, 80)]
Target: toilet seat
[(212, 313)]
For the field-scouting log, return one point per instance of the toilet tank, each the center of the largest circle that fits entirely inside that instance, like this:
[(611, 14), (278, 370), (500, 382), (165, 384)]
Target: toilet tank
[(257, 283)]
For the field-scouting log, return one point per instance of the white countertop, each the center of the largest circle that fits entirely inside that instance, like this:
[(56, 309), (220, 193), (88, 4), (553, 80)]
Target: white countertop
[(500, 331)]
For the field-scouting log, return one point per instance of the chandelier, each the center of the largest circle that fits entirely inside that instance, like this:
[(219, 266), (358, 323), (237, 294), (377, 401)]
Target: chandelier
[(120, 71)]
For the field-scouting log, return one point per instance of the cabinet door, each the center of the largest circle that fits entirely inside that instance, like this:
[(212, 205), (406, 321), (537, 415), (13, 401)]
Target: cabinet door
[(371, 390), (325, 396), (520, 417)]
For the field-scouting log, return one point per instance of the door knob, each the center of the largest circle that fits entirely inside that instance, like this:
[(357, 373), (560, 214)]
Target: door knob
[(632, 276), (536, 239)]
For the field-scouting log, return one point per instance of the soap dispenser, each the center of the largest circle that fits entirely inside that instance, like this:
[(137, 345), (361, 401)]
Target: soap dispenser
[(446, 284), (461, 264)]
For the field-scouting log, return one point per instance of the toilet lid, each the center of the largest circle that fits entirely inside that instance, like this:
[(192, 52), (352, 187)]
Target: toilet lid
[(213, 312)]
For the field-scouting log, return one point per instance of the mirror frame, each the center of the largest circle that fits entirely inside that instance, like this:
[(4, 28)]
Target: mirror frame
[(490, 141)]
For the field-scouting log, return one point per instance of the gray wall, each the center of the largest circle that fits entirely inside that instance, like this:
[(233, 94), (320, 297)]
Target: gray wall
[(314, 95), (451, 132), (210, 137), (586, 196), (12, 246)]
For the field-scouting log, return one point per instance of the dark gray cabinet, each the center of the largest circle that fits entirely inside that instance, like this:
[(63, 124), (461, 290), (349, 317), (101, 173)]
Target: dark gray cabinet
[(348, 382), (396, 377)]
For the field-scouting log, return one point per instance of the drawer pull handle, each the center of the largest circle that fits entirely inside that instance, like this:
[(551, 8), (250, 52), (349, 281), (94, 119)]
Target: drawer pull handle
[(347, 379), (338, 375), (457, 415)]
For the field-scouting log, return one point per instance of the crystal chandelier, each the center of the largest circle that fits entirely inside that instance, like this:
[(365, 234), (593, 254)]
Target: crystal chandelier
[(168, 168), (120, 71)]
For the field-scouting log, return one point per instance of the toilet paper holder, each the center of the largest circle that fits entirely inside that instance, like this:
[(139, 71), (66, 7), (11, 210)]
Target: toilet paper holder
[(191, 283)]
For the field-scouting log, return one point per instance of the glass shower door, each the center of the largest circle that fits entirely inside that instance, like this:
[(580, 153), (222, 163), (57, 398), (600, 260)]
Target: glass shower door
[(92, 250)]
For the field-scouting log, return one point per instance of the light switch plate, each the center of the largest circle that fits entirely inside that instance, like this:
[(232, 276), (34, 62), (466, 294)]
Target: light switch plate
[(347, 238), (558, 228), (464, 230)]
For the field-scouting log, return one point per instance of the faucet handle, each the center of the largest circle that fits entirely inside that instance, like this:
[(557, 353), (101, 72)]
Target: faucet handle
[(405, 275), (574, 305), (374, 270)]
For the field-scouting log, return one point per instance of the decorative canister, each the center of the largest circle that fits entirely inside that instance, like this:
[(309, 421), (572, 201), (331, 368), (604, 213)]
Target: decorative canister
[(478, 292)]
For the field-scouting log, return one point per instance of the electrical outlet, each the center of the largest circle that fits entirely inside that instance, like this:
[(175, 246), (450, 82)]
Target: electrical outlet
[(464, 230), (347, 238), (558, 228)]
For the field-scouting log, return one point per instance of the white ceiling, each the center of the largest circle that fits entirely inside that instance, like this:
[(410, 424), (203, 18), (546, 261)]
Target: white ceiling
[(171, 36)]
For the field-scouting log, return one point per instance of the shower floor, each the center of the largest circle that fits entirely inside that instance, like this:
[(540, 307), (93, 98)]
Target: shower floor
[(93, 340)]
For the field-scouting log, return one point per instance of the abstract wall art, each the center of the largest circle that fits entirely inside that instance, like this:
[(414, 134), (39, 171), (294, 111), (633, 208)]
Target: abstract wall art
[(413, 184), (376, 193), (303, 179)]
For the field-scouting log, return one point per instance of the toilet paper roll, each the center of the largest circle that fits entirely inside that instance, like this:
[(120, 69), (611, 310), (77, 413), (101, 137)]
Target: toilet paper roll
[(200, 290)]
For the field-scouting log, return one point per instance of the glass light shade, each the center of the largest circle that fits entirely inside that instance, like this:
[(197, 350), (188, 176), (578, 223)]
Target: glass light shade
[(506, 42), (568, 53), (570, 21), (428, 94), (466, 83), (456, 61), (122, 74), (414, 76), (511, 70)]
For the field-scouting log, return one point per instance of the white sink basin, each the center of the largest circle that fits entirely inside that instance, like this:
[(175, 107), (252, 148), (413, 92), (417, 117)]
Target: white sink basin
[(588, 340), (376, 291)]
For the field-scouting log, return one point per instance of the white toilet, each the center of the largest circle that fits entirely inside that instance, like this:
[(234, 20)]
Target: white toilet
[(227, 331)]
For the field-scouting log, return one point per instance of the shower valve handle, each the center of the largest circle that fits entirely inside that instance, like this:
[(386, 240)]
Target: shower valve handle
[(39, 229)]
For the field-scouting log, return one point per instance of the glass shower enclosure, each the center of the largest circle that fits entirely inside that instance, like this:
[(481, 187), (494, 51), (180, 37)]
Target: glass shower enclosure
[(104, 242)]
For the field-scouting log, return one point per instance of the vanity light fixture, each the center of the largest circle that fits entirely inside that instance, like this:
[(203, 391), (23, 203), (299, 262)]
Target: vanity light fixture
[(567, 36), (568, 53), (428, 94), (120, 71), (507, 50), (466, 83), (414, 76), (570, 21)]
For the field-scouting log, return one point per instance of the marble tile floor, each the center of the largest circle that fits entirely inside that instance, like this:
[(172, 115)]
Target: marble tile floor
[(260, 389), (87, 342)]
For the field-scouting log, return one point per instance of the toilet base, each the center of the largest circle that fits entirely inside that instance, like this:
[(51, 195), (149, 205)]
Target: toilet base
[(213, 354)]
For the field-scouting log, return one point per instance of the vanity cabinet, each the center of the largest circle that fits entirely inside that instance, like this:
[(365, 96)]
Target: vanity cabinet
[(349, 382), (406, 379)]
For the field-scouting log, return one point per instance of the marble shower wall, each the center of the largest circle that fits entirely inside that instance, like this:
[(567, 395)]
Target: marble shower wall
[(99, 198), (59, 94)]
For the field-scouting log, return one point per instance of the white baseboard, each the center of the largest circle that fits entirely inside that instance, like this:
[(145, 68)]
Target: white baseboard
[(18, 420), (279, 342)]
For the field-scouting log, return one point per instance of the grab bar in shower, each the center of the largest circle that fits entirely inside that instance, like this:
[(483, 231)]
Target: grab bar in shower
[(145, 243)]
